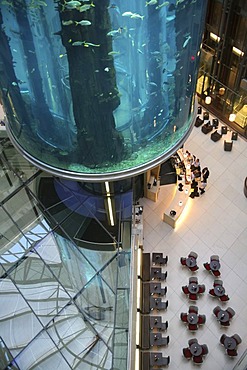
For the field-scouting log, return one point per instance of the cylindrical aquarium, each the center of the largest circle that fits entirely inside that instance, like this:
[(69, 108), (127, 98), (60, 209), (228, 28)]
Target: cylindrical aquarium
[(99, 89)]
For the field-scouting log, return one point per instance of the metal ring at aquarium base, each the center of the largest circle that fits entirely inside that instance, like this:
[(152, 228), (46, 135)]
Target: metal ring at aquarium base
[(100, 177)]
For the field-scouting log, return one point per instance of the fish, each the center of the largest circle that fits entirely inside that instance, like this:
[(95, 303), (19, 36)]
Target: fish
[(127, 14), (87, 44), (137, 16), (186, 41), (85, 7), (62, 55), (151, 2), (106, 69), (114, 53), (84, 22), (84, 43), (67, 23), (115, 32), (77, 43), (170, 18), (139, 51), (166, 3), (71, 4), (14, 83)]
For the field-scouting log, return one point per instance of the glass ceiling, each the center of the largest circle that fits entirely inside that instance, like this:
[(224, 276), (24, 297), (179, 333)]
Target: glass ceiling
[(62, 306)]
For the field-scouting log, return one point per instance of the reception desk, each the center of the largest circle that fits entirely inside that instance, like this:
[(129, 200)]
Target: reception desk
[(181, 194)]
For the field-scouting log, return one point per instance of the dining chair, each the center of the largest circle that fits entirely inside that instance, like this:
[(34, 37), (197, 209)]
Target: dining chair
[(198, 359), (165, 305), (194, 268), (224, 298), (207, 266), (218, 282), (193, 309), (183, 261), (163, 276), (164, 326), (202, 288), (163, 291), (211, 292), (193, 297), (226, 323), (193, 279), (164, 260), (222, 338), (165, 341), (192, 327), (204, 349), (186, 352), (216, 272), (201, 319), (232, 352), (214, 257), (165, 360), (230, 311), (193, 254), (237, 338), (216, 310), (183, 316), (185, 289), (192, 340)]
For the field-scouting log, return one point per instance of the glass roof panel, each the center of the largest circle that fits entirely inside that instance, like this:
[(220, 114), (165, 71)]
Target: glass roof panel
[(15, 313), (39, 287), (73, 335), (41, 354)]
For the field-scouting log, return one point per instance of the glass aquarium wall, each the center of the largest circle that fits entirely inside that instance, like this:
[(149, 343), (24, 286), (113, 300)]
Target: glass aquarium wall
[(99, 89)]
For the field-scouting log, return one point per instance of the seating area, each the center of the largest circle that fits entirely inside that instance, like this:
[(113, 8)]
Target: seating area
[(195, 351), (207, 125), (224, 316), (193, 319), (152, 327), (213, 265), (190, 261), (149, 360), (230, 343), (193, 289), (218, 291)]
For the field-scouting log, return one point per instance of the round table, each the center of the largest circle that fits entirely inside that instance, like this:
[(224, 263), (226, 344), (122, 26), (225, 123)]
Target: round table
[(230, 343), (223, 316), (193, 288), (190, 262), (192, 318), (196, 349), (214, 265), (219, 290)]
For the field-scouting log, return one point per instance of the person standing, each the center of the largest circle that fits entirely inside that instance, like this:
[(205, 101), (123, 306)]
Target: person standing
[(203, 185), (205, 173)]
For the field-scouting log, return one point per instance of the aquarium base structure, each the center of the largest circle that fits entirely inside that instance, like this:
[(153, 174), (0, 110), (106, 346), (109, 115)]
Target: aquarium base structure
[(105, 176)]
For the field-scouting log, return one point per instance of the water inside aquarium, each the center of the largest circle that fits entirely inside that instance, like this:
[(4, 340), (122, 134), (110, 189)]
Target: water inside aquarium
[(99, 86)]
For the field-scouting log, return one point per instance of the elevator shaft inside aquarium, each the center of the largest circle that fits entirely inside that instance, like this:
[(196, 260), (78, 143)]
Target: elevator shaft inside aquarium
[(99, 88)]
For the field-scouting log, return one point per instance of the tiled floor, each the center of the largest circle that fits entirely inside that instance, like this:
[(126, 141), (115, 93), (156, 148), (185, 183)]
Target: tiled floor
[(215, 223)]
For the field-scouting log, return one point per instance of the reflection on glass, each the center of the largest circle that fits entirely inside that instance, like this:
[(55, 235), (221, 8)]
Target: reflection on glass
[(14, 316), (100, 89), (75, 338), (42, 354), (40, 289)]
